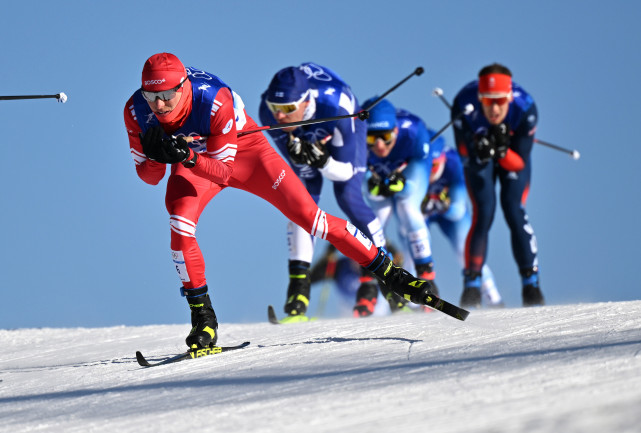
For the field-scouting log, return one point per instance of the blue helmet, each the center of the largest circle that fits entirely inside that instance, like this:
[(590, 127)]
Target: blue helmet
[(382, 117), (288, 85)]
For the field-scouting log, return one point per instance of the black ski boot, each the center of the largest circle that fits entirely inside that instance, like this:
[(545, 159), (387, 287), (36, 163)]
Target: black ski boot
[(399, 280), (298, 289), (532, 295), (366, 298), (204, 331), (471, 297), (396, 303), (426, 272)]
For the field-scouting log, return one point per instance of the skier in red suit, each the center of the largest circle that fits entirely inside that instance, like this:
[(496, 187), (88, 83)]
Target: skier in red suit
[(190, 119)]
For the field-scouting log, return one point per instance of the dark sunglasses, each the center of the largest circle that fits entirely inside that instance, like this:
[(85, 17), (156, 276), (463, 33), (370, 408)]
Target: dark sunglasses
[(164, 95)]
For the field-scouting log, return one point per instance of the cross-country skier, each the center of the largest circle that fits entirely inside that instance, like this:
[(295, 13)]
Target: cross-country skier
[(176, 104), (333, 151), (446, 206), (400, 161), (495, 142)]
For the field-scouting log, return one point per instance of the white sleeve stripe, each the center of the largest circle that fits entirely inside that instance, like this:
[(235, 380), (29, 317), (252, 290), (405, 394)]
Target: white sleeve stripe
[(138, 157), (224, 148), (320, 227), (227, 153)]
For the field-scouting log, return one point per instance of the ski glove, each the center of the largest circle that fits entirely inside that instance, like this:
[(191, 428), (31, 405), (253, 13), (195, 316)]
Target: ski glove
[(151, 142), (295, 148), (303, 152), (176, 149), (436, 204), (501, 135), (317, 154), (376, 186), (485, 149), (385, 187), (162, 149)]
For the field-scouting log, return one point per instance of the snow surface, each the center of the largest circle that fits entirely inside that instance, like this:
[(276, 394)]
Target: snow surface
[(570, 368)]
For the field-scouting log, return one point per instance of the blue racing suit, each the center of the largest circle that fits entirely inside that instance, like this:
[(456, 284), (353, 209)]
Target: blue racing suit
[(480, 177), (412, 156), (331, 97)]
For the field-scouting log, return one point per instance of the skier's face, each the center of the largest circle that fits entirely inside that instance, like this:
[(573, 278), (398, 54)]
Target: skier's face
[(495, 108), (293, 116), (162, 109), (381, 143)]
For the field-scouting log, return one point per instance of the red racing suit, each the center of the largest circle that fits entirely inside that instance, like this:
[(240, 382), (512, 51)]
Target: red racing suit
[(216, 113)]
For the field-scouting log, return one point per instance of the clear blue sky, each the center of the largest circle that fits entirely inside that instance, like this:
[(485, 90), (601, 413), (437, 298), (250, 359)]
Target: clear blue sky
[(86, 243)]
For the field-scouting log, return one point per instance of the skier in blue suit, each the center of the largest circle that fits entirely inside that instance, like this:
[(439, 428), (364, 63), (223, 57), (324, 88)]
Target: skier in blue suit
[(495, 141), (446, 206), (335, 151), (400, 161)]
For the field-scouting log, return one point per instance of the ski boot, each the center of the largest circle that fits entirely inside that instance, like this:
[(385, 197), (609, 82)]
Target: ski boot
[(366, 297), (396, 303), (532, 295), (399, 280), (204, 331), (299, 288), (425, 271), (471, 297)]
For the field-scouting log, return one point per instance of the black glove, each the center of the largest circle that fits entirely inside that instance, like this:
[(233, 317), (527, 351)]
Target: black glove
[(163, 149), (501, 135), (151, 142), (176, 149), (485, 148), (295, 148), (303, 152), (317, 154)]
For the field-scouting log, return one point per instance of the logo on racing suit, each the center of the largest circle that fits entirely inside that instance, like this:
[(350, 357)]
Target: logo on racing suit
[(279, 180)]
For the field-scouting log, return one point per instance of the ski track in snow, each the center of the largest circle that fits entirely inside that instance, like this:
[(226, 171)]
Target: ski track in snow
[(570, 368)]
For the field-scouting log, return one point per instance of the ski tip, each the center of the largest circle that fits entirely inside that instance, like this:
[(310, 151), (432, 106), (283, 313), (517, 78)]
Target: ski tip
[(271, 315), (141, 360)]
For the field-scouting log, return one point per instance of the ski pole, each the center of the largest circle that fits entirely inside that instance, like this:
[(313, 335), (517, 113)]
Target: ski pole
[(418, 71), (573, 153), (362, 115), (61, 97), (468, 109)]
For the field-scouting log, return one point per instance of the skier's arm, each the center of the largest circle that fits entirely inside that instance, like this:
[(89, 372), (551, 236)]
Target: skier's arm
[(342, 149), (521, 142), (149, 171), (217, 163)]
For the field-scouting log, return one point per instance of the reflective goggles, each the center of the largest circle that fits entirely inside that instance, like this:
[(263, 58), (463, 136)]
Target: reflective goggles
[(386, 136), (287, 108), (489, 99), (164, 95)]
